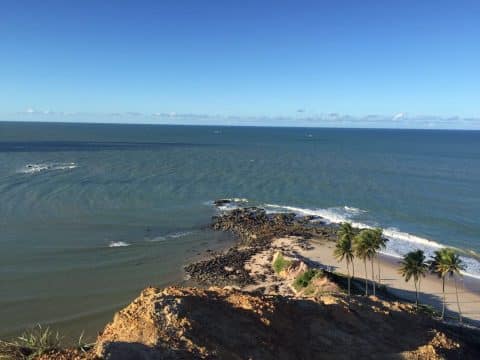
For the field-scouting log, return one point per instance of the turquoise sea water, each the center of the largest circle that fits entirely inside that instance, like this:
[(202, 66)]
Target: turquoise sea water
[(91, 214)]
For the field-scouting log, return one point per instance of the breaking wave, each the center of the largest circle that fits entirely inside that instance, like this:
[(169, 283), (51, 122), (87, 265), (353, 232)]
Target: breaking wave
[(42, 167), (174, 235), (399, 242), (114, 244)]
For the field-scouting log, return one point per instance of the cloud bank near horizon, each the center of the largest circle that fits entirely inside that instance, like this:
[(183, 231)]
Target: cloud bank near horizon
[(401, 120)]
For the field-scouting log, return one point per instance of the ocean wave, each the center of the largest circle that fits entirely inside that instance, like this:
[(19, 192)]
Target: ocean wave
[(233, 203), (174, 235), (332, 215), (37, 168), (399, 242), (114, 244), (354, 210)]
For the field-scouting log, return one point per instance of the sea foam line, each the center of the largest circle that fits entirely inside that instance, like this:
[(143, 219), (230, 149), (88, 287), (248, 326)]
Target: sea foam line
[(114, 244), (174, 235), (399, 242), (41, 167)]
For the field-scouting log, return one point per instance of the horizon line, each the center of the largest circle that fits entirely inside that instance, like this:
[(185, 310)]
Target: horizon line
[(235, 125)]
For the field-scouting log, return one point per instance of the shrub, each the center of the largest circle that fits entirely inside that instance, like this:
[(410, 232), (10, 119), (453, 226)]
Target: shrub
[(280, 264), (304, 279)]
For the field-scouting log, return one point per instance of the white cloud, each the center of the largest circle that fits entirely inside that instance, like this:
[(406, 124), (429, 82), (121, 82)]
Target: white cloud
[(401, 120), (398, 116)]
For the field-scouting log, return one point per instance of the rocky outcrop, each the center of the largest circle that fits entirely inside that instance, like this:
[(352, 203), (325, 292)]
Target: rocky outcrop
[(255, 230), (189, 323), (223, 269), (254, 225)]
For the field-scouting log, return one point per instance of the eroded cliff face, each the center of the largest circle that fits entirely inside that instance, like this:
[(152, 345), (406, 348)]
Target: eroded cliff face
[(191, 323)]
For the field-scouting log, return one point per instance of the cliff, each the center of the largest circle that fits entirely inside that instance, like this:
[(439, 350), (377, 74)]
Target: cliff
[(191, 323)]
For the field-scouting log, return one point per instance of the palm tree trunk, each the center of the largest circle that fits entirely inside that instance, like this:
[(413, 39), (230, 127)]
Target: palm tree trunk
[(348, 272), (416, 294), (353, 269), (373, 279), (443, 302), (366, 277), (378, 266), (458, 302)]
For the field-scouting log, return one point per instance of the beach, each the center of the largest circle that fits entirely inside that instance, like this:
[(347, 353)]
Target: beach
[(320, 253), (262, 236), (430, 287)]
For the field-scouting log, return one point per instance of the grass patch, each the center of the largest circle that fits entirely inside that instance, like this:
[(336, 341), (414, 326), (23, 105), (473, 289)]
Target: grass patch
[(31, 344), (280, 264), (36, 342), (303, 280), (428, 310)]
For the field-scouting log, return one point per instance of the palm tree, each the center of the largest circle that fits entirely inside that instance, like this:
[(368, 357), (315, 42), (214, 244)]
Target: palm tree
[(343, 250), (445, 262), (380, 244), (414, 265), (347, 232), (433, 265), (365, 250)]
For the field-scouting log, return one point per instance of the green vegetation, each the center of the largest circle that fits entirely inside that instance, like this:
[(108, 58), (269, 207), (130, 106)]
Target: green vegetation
[(367, 243), (31, 344), (36, 342), (364, 246), (380, 243), (447, 262), (344, 249), (427, 310), (280, 264), (304, 280), (413, 265)]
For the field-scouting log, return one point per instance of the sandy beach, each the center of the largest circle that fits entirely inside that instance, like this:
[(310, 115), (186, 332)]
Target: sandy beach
[(321, 252)]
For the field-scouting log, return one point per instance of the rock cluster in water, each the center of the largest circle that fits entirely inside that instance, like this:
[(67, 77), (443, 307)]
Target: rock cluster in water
[(255, 228)]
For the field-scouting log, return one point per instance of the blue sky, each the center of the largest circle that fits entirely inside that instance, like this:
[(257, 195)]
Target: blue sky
[(307, 63)]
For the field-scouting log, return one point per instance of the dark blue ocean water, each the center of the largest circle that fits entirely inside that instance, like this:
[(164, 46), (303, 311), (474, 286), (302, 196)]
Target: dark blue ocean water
[(90, 214)]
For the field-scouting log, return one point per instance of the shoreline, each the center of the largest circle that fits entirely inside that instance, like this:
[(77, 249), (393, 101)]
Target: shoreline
[(247, 265), (277, 279), (430, 287)]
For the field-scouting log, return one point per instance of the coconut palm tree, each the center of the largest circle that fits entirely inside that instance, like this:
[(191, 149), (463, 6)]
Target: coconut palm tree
[(413, 265), (347, 232), (433, 266), (380, 244), (344, 250), (445, 262), (365, 249)]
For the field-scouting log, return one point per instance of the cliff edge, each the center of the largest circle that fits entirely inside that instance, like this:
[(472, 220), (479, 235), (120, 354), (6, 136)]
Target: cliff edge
[(192, 323)]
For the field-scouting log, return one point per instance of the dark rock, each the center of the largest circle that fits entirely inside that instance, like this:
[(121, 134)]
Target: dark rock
[(221, 202), (255, 230)]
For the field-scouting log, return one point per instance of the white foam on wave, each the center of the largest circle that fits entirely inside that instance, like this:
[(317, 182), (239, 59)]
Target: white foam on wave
[(238, 200), (399, 242), (114, 244), (354, 210), (37, 168), (333, 215), (233, 204), (174, 235)]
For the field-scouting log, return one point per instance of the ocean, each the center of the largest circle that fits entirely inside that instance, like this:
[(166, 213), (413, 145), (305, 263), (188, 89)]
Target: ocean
[(92, 213)]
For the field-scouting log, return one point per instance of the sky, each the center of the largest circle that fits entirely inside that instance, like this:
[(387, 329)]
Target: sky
[(402, 63)]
